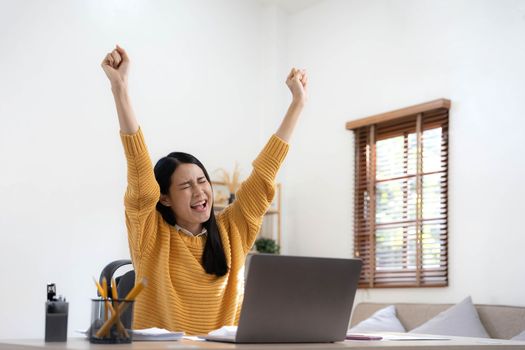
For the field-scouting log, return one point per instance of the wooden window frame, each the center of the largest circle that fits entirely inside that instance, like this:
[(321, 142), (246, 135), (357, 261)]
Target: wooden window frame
[(367, 131)]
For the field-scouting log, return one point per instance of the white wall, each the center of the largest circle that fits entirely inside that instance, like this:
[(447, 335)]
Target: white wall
[(199, 84), (368, 57)]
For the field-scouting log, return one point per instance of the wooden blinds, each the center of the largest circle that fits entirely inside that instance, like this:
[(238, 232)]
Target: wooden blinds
[(401, 176)]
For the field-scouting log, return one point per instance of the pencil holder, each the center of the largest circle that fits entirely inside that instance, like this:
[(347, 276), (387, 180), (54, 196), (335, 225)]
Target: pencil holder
[(109, 324)]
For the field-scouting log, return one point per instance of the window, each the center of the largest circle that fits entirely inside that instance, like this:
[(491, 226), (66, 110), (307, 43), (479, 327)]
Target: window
[(401, 182)]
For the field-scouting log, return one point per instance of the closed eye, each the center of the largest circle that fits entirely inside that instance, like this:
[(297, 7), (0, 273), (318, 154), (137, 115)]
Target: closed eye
[(187, 184), (184, 185)]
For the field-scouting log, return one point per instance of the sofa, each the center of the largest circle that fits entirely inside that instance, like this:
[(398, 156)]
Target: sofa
[(501, 322)]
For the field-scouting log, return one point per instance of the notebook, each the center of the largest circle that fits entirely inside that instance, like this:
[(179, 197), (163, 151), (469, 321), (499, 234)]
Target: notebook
[(290, 299)]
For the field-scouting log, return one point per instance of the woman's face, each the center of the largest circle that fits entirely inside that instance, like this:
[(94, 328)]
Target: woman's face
[(190, 197)]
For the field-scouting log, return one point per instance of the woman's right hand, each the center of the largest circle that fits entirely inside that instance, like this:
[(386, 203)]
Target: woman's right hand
[(116, 66)]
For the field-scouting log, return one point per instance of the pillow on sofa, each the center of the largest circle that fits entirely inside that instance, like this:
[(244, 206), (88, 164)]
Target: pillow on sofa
[(460, 320), (384, 320), (520, 336)]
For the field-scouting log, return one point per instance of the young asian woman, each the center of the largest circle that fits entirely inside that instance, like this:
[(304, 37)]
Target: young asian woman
[(192, 258)]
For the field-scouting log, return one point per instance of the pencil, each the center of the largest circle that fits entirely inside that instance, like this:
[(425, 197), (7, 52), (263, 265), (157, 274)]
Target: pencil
[(114, 295), (136, 290), (108, 305), (105, 288), (99, 287), (114, 292), (122, 307)]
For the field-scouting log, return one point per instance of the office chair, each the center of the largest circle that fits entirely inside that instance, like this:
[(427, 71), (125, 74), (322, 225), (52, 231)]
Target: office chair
[(124, 283)]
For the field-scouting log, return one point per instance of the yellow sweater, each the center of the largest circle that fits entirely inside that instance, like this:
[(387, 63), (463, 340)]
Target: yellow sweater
[(180, 295)]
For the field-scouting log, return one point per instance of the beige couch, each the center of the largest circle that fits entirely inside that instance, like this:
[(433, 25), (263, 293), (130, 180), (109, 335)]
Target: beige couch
[(502, 322)]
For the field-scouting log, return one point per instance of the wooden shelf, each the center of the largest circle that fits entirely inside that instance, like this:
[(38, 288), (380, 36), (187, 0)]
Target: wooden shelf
[(274, 211), (221, 207)]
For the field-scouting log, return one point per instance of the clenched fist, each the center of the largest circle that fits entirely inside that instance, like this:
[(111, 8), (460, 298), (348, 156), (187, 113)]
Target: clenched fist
[(116, 65), (297, 82)]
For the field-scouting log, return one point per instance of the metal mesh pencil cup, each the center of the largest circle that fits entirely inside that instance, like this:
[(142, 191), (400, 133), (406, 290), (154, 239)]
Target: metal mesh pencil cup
[(111, 321)]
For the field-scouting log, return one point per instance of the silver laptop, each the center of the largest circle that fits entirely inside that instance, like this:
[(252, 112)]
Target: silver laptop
[(291, 299)]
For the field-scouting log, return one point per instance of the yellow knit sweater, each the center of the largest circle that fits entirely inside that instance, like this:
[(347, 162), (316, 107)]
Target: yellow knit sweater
[(180, 295)]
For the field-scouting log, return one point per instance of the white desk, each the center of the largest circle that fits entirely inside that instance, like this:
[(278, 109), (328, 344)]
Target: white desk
[(456, 343)]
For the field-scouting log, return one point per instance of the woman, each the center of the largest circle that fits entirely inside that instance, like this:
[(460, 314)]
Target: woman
[(193, 261)]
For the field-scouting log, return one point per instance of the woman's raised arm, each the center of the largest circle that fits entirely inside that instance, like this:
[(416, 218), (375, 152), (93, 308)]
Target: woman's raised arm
[(256, 193), (116, 66), (142, 193), (297, 82)]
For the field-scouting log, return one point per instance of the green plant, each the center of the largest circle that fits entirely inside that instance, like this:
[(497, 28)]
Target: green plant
[(267, 245)]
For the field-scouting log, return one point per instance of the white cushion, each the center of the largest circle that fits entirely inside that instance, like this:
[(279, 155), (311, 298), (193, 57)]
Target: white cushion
[(460, 320), (384, 320), (520, 336)]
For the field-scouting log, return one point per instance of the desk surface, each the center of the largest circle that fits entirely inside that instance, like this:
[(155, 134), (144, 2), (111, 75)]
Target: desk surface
[(456, 343)]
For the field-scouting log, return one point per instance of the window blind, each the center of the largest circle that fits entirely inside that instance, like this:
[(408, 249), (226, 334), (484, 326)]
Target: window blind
[(401, 202)]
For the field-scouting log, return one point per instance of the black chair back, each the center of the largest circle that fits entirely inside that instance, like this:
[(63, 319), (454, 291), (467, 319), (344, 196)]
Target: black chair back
[(125, 283)]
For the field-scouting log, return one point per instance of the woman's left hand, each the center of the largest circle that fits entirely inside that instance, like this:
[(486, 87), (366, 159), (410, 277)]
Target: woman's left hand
[(297, 82)]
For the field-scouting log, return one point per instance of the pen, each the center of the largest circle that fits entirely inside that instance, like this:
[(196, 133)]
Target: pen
[(363, 337)]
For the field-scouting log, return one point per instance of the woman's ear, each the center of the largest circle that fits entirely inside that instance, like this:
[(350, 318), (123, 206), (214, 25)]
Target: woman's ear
[(164, 200)]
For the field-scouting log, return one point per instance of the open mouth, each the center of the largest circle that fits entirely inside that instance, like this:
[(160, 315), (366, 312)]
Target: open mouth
[(200, 206)]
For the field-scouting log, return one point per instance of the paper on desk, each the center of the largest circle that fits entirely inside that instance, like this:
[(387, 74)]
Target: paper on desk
[(224, 331), (83, 331), (157, 334), (148, 334), (400, 336), (411, 337)]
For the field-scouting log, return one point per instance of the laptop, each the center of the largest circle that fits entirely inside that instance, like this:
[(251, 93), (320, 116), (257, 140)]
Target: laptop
[(290, 299)]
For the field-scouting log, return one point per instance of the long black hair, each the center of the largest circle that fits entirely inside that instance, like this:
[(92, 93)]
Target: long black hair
[(213, 257)]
